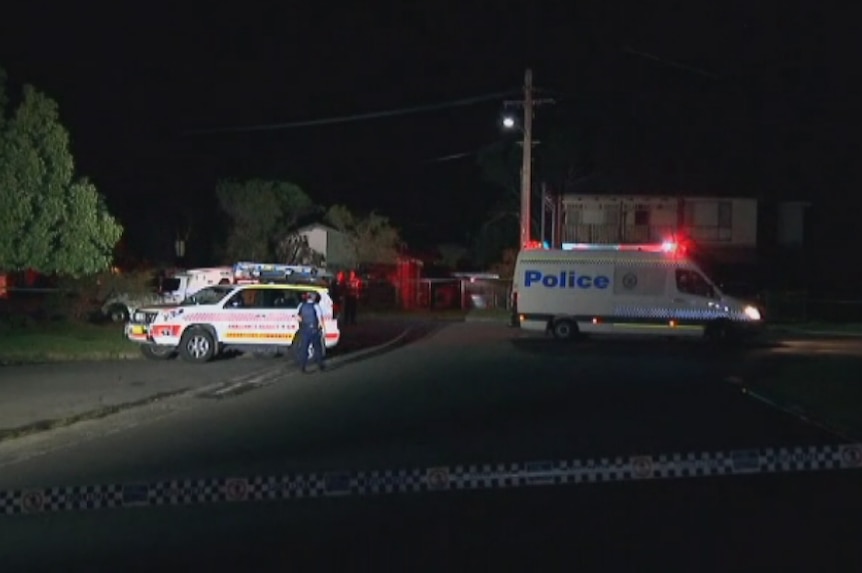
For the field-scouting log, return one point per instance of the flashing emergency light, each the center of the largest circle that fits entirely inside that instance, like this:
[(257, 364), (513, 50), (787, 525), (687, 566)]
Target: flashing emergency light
[(667, 246), (532, 245)]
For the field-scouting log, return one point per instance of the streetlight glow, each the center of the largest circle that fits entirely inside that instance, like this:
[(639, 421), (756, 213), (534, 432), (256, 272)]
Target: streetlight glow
[(508, 122)]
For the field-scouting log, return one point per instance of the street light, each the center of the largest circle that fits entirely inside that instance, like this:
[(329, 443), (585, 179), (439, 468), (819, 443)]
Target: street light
[(509, 122)]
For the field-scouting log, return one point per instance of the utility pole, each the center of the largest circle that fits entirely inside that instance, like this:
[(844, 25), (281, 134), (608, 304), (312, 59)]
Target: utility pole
[(544, 213), (527, 159), (529, 102)]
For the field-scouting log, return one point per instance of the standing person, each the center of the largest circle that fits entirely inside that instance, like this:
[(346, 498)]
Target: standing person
[(351, 299), (311, 331)]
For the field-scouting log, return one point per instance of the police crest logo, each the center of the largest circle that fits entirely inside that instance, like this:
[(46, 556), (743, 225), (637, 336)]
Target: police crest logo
[(630, 281)]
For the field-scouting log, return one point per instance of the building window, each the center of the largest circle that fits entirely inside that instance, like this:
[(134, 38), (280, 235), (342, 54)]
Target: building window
[(725, 215), (642, 217)]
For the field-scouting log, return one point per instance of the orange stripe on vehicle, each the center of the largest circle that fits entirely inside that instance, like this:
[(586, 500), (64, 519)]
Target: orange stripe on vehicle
[(270, 335)]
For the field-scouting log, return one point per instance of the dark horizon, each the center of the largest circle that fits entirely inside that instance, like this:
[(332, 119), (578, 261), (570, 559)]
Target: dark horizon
[(712, 101)]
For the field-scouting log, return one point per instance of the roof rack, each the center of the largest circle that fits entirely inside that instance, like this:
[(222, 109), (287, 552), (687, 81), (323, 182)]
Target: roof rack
[(248, 272)]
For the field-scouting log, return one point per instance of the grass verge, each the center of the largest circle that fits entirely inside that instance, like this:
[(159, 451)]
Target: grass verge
[(823, 327), (63, 341), (828, 391)]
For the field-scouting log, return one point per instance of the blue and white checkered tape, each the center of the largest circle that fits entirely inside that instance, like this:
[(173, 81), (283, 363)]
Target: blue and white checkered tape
[(432, 479)]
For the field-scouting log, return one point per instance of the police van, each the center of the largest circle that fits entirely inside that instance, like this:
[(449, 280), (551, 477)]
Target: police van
[(623, 289)]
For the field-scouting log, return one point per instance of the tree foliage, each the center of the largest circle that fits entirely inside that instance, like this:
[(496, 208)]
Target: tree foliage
[(262, 213), (452, 256), (372, 238), (49, 220), (81, 298), (558, 160), (498, 232)]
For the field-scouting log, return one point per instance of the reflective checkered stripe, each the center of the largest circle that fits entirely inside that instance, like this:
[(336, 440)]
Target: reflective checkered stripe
[(228, 316), (658, 312), (696, 315), (438, 478)]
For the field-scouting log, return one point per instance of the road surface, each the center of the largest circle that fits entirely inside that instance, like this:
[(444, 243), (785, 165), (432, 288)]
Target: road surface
[(467, 394), (33, 396)]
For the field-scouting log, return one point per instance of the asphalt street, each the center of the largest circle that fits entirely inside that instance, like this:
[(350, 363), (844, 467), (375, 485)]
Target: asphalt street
[(35, 395), (466, 393)]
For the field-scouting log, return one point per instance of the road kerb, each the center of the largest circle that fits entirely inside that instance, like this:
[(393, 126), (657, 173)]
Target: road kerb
[(822, 333), (351, 356), (796, 412)]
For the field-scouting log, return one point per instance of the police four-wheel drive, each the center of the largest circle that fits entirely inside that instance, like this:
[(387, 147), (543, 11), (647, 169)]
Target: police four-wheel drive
[(258, 318)]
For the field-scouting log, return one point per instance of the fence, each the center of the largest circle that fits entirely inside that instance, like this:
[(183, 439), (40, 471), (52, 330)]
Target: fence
[(799, 307), (463, 294)]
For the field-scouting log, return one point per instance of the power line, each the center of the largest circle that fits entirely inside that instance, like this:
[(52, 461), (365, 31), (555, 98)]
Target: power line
[(473, 153), (670, 63), (452, 157), (356, 117)]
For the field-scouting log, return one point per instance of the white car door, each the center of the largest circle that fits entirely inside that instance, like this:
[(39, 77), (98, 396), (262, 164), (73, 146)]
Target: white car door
[(244, 318), (279, 323)]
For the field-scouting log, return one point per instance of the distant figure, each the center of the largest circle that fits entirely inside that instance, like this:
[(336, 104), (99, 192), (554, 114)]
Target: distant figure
[(336, 291), (351, 300), (311, 331)]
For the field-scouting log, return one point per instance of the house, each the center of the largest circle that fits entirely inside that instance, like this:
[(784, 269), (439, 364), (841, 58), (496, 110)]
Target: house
[(722, 223), (742, 236), (334, 245), (727, 228)]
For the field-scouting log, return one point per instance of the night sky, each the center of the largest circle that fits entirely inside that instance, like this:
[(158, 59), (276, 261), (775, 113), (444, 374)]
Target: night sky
[(718, 97)]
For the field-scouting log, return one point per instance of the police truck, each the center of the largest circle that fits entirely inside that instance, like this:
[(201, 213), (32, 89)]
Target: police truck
[(624, 289)]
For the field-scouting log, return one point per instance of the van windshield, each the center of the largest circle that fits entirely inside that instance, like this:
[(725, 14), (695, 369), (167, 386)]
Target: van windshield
[(694, 283), (170, 285)]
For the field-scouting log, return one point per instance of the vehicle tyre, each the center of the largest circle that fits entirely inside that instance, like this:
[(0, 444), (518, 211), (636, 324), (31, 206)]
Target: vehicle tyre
[(155, 352), (118, 313), (719, 332), (564, 329), (197, 345)]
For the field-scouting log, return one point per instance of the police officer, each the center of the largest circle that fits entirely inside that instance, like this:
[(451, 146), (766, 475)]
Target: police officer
[(311, 330)]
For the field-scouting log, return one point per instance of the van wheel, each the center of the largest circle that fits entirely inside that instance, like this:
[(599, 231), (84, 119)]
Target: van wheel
[(564, 329), (719, 332)]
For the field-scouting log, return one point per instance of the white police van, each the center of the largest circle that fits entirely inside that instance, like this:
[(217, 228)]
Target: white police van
[(623, 289)]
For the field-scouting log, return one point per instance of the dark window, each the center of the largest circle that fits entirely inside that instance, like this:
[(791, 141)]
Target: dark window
[(725, 215), (641, 217), (247, 298), (692, 282), (170, 285)]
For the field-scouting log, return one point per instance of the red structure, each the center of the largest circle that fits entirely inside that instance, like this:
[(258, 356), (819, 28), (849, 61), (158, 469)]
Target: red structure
[(406, 282)]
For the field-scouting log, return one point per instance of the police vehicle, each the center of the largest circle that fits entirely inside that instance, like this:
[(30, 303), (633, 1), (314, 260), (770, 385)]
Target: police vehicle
[(259, 315), (623, 289)]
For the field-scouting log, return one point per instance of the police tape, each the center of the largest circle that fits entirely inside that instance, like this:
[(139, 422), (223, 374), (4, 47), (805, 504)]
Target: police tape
[(432, 479)]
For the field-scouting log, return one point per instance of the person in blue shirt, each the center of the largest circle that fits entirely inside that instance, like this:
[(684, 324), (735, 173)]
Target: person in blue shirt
[(311, 331)]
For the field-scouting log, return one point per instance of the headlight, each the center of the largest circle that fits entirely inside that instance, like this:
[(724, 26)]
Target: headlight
[(751, 312)]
